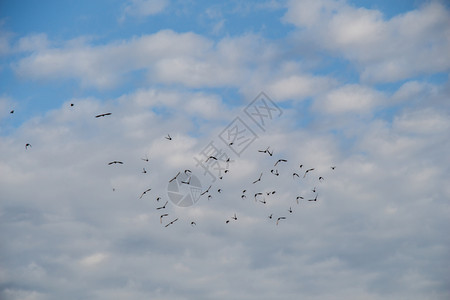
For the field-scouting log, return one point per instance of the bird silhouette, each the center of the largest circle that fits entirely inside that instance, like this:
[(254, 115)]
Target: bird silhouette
[(234, 217), (278, 161), (315, 198), (144, 171), (280, 218), (275, 172), (162, 216), (307, 171), (211, 157), (27, 145), (102, 115), (299, 197), (163, 207), (193, 223), (168, 137), (11, 112), (207, 191), (174, 177), (171, 222), (115, 162), (259, 179), (187, 181), (145, 192), (295, 174), (290, 210)]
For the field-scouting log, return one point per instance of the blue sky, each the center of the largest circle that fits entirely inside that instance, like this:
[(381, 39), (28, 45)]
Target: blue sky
[(359, 85)]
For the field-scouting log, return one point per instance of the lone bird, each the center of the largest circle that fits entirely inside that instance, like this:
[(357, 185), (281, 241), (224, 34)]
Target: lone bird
[(27, 145), (207, 191), (144, 171), (211, 157), (174, 177), (168, 137), (275, 172), (234, 217), (295, 174), (11, 112), (102, 115), (193, 223), (299, 197), (160, 218), (315, 198), (115, 162)]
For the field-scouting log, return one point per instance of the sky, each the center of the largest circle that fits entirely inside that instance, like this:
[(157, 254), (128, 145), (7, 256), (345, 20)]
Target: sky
[(351, 95)]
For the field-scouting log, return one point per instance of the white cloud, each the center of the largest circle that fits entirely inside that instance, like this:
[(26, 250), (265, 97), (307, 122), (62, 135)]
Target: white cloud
[(406, 45)]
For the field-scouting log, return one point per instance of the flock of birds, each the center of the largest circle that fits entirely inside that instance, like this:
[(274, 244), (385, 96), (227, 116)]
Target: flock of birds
[(259, 197)]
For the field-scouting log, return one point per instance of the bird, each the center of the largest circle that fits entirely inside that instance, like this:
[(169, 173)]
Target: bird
[(144, 171), (187, 171), (333, 167), (314, 190), (174, 177), (160, 218), (299, 197), (209, 197), (295, 174), (145, 192), (207, 191), (274, 172), (211, 157), (27, 145), (71, 104), (280, 218), (243, 192), (243, 196), (115, 162), (307, 171), (187, 181), (158, 198), (193, 223), (256, 195), (227, 221), (145, 159), (259, 179), (168, 137), (290, 210), (102, 115), (270, 216), (301, 166), (11, 112), (266, 151), (280, 160), (164, 206), (171, 222), (315, 198), (234, 217), (219, 190), (263, 201), (321, 178)]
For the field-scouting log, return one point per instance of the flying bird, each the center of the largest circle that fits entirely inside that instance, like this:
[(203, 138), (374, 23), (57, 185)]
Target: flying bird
[(171, 222), (115, 162), (334, 167), (290, 210), (193, 223), (295, 174), (164, 206), (315, 198), (207, 191), (145, 159), (301, 166), (257, 194), (266, 151), (263, 201), (280, 218), (158, 198), (234, 217), (219, 190), (307, 171), (174, 177), (320, 178), (274, 172), (280, 160), (168, 137), (145, 192), (211, 157), (187, 171), (187, 181), (243, 196), (144, 171), (102, 115), (27, 145), (160, 218), (71, 104), (259, 179), (11, 112), (299, 197), (270, 217)]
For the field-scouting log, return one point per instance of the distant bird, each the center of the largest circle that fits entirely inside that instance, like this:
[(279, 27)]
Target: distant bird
[(164, 206), (193, 223), (174, 177), (102, 115), (219, 190), (275, 172), (321, 178), (315, 198), (280, 160), (211, 157), (280, 218), (168, 137), (187, 181), (307, 171), (234, 217), (160, 218), (209, 197), (171, 222), (115, 162), (145, 159), (227, 221), (259, 179), (301, 166), (266, 151), (11, 112), (71, 104), (263, 201), (270, 216), (158, 198), (314, 190), (257, 194), (295, 174), (290, 210), (243, 192), (27, 145), (332, 168), (207, 191), (187, 171), (299, 197), (243, 196), (145, 192), (144, 171), (272, 192)]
